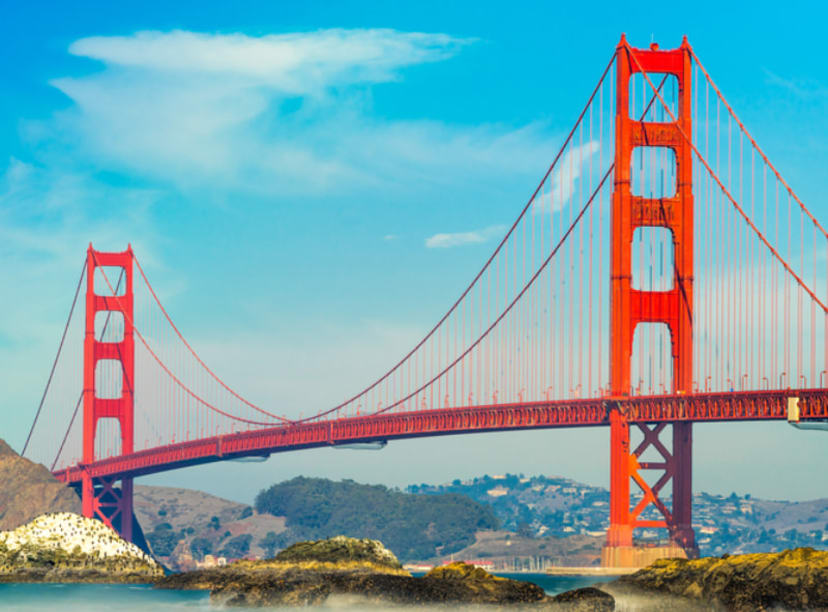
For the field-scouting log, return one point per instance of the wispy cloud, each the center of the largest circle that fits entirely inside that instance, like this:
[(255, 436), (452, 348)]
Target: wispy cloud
[(805, 89), (298, 63), (273, 115), (567, 175), (448, 240)]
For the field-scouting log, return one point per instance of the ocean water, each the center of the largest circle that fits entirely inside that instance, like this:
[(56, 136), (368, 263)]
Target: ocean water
[(139, 598)]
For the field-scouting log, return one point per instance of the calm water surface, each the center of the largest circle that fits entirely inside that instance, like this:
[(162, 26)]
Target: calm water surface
[(135, 598)]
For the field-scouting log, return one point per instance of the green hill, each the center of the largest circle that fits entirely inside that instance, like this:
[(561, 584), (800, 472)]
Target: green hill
[(412, 526)]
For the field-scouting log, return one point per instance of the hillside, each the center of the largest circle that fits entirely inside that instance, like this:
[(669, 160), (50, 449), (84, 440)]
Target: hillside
[(183, 525), (28, 489), (507, 550), (541, 519), (412, 526), (551, 506)]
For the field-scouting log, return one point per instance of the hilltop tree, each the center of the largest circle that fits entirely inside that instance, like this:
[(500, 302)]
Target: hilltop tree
[(412, 526), (270, 543), (201, 547)]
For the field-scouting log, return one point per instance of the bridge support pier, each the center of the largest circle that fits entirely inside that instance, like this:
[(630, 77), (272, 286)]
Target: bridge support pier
[(674, 465), (110, 504)]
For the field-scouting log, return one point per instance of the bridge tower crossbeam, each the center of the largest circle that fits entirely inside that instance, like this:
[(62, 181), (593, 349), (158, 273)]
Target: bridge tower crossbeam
[(630, 307)]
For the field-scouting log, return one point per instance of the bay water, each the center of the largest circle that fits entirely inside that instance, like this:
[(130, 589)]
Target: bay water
[(143, 598)]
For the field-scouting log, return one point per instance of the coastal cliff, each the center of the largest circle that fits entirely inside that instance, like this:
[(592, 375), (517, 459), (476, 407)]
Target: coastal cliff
[(348, 569), (28, 489), (791, 580), (65, 547)]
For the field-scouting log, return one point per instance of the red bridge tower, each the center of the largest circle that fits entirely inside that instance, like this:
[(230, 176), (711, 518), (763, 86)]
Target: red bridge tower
[(629, 307), (100, 497)]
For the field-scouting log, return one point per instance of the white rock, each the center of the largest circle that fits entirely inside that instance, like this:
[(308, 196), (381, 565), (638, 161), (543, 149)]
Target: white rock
[(68, 531)]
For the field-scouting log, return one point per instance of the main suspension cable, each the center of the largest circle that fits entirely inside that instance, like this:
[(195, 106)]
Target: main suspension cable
[(485, 266), (197, 358), (57, 357), (169, 372), (733, 201), (756, 145)]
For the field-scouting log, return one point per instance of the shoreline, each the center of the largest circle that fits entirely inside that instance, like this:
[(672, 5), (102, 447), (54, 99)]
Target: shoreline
[(590, 571)]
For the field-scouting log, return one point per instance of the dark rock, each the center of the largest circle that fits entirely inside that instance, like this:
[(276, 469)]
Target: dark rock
[(462, 582), (588, 599), (28, 489), (305, 576), (793, 580)]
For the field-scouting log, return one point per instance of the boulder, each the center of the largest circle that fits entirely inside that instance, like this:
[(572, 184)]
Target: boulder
[(587, 599), (66, 547), (792, 580), (467, 583), (340, 549)]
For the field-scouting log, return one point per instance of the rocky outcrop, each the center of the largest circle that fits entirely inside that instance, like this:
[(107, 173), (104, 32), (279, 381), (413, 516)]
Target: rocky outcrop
[(65, 547), (792, 580), (339, 550), (588, 599), (314, 573), (28, 489)]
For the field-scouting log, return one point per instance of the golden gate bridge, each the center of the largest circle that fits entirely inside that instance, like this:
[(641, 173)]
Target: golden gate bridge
[(662, 273)]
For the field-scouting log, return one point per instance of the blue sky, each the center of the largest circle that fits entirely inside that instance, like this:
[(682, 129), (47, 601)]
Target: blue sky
[(282, 170)]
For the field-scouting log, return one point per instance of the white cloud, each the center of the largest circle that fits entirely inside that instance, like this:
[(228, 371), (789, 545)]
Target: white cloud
[(280, 115), (444, 241), (576, 162), (296, 63)]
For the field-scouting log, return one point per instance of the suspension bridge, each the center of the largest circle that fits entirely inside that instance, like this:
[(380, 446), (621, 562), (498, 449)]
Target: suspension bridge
[(662, 273)]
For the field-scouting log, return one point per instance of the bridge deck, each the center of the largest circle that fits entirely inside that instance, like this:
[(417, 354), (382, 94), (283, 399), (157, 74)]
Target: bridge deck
[(732, 406)]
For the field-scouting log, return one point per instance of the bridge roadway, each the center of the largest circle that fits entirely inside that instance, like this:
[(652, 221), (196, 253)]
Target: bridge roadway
[(770, 405)]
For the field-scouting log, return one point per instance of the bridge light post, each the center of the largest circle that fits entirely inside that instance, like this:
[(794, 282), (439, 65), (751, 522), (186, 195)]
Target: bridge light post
[(766, 381), (804, 381), (781, 376), (742, 380), (821, 374), (706, 384)]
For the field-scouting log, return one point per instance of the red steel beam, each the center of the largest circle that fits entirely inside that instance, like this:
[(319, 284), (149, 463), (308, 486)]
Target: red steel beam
[(711, 407)]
